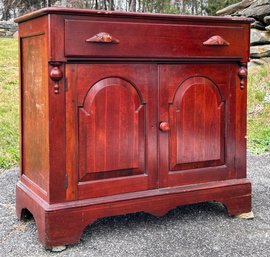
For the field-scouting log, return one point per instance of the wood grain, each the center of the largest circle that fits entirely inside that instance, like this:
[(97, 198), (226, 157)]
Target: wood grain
[(76, 216), (35, 131), (195, 102), (155, 121), (117, 149), (133, 41), (111, 128)]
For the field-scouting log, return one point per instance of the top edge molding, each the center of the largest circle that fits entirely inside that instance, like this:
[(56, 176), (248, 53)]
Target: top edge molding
[(114, 14)]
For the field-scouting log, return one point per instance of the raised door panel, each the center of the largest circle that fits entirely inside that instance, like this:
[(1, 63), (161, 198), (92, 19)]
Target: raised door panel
[(196, 103), (197, 123), (111, 129)]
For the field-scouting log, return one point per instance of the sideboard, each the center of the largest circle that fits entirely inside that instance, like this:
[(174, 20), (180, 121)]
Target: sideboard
[(129, 112)]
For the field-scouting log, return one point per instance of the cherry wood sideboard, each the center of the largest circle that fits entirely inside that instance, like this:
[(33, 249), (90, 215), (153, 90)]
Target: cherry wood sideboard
[(128, 112)]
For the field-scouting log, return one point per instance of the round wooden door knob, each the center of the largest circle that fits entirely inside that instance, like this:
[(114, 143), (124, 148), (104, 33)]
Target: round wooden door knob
[(164, 126)]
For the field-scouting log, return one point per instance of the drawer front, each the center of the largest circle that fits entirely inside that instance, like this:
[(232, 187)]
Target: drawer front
[(152, 40)]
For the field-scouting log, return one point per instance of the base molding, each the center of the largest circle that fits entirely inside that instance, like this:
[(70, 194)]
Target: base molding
[(63, 223)]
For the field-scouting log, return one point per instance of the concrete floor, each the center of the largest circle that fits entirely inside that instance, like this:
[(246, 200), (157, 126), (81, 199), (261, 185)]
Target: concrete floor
[(195, 230)]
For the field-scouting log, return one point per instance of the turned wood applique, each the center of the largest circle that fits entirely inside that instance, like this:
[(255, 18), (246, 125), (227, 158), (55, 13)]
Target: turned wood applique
[(56, 75), (242, 73)]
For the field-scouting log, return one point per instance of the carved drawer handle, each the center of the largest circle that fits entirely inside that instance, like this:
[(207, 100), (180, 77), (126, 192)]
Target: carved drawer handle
[(216, 41), (103, 37)]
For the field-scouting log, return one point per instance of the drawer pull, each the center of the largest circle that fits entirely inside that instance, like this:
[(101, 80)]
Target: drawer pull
[(216, 41), (164, 126), (103, 37)]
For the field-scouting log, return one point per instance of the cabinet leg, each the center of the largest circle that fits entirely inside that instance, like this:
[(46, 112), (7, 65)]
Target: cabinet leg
[(64, 228), (237, 206), (54, 232), (55, 228)]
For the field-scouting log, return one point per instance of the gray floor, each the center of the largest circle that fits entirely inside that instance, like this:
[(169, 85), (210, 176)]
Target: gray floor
[(196, 230)]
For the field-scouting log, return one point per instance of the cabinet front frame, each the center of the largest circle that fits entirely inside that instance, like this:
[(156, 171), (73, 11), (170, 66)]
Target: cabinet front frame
[(160, 174)]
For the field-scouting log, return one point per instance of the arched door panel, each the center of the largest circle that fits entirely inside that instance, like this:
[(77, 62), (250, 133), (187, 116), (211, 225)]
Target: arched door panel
[(112, 134), (196, 104), (197, 123)]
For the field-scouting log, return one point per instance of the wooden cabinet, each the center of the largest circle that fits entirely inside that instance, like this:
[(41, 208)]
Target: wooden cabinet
[(124, 113)]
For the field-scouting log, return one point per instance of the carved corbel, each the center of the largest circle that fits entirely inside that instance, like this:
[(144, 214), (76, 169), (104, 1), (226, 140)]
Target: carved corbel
[(56, 75), (242, 73)]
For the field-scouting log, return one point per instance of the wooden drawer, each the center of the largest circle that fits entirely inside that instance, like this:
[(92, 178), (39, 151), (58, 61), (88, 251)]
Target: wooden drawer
[(151, 40)]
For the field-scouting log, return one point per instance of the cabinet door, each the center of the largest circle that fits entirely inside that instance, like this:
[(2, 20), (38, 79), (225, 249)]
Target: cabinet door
[(197, 136), (111, 117)]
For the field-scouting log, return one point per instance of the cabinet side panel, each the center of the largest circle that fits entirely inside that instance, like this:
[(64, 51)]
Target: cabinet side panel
[(35, 134)]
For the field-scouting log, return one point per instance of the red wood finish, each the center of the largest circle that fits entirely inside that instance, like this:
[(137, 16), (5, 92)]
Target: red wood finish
[(242, 73), (102, 37), (111, 130), (56, 75), (169, 39), (216, 41), (34, 106), (115, 131), (164, 126), (235, 195), (148, 115), (196, 103)]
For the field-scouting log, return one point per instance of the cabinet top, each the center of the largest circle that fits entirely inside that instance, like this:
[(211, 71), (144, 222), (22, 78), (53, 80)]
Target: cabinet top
[(102, 13)]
